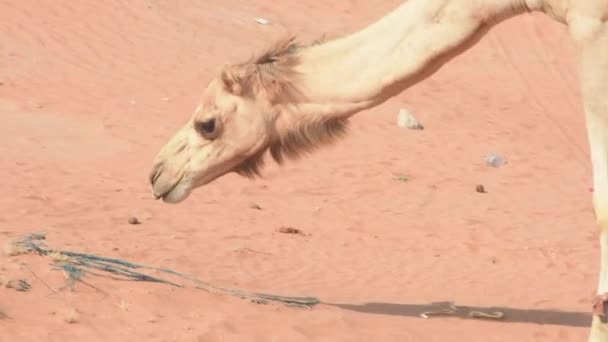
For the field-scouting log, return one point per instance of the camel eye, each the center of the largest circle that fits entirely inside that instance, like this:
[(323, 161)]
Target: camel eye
[(206, 128)]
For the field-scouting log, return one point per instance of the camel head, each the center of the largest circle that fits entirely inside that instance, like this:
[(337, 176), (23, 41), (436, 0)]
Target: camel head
[(228, 127), (241, 115)]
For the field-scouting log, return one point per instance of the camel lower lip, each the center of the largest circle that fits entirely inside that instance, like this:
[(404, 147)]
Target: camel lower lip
[(174, 200)]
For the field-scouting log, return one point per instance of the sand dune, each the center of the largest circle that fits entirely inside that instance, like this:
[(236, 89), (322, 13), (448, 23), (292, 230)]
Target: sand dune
[(91, 90)]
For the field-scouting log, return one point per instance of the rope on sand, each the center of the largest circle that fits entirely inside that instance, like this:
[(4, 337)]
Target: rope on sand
[(77, 265)]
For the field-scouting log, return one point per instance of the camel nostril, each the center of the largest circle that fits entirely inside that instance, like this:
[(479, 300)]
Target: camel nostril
[(155, 173)]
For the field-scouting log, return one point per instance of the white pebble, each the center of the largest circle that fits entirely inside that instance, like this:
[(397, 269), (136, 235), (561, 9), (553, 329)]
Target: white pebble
[(407, 119)]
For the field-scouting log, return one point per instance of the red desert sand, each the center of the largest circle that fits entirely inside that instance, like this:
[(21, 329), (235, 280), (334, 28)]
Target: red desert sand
[(89, 91)]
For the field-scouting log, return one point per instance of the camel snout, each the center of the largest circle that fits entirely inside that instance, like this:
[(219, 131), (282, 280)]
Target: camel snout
[(159, 188), (164, 183), (155, 173), (153, 177)]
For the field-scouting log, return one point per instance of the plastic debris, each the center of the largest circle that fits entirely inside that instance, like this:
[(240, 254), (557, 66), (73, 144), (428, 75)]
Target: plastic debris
[(76, 267), (495, 160)]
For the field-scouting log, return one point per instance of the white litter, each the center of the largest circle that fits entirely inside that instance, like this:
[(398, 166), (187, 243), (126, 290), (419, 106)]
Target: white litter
[(495, 160), (262, 21)]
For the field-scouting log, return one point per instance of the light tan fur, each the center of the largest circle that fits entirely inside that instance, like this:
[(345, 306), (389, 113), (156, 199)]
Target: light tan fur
[(293, 98)]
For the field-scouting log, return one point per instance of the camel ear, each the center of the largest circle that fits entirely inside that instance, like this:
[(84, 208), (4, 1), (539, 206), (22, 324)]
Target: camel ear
[(232, 80)]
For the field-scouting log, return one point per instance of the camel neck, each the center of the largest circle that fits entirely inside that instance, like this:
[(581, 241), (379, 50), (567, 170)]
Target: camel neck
[(400, 49)]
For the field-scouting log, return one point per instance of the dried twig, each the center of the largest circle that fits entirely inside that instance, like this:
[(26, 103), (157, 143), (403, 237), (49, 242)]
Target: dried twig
[(454, 310), (40, 279)]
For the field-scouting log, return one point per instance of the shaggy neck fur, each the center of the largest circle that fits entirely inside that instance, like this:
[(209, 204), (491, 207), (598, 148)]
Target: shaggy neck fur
[(301, 122)]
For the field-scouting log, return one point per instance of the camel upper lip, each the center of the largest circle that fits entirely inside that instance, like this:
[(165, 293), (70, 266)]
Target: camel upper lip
[(155, 173), (159, 196)]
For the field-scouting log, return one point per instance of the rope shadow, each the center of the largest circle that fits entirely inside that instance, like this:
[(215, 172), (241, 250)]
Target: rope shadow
[(511, 315)]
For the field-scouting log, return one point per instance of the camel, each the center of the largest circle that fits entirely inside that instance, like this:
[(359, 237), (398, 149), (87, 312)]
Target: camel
[(286, 101)]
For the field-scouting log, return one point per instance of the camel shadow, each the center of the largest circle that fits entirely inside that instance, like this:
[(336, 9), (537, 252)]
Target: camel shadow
[(511, 315)]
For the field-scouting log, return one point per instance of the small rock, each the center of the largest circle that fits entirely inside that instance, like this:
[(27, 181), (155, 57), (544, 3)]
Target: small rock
[(402, 178), (289, 230), (123, 305), (495, 160), (407, 119), (133, 220), (71, 316), (255, 206), (480, 188), (262, 21)]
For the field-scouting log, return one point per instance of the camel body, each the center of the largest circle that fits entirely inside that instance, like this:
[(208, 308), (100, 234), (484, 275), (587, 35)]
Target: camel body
[(292, 99)]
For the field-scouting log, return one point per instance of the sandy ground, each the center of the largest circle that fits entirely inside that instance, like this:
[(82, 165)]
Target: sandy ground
[(90, 90)]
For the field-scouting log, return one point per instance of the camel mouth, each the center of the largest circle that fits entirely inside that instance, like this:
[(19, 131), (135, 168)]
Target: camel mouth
[(169, 199), (175, 193)]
